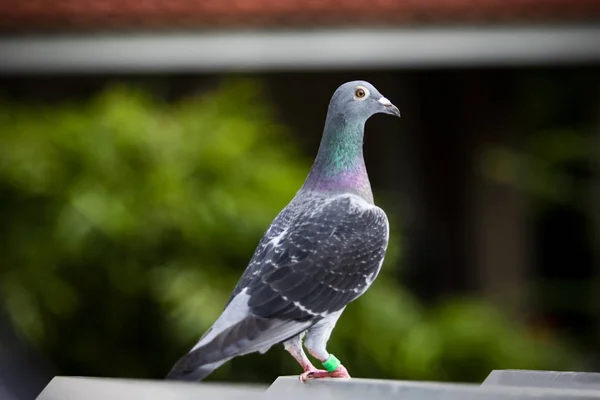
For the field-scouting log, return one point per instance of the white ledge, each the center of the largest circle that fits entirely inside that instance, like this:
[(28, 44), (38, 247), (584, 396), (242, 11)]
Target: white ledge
[(87, 388), (286, 50), (547, 379), (365, 389), (290, 388)]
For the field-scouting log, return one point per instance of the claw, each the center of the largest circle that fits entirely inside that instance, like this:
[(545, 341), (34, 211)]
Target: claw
[(340, 372), (308, 374)]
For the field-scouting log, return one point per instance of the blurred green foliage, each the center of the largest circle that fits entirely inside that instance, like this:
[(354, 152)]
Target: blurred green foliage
[(557, 148), (540, 168), (126, 222)]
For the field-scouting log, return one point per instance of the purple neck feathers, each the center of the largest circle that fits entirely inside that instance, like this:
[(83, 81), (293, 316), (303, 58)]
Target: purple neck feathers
[(339, 166)]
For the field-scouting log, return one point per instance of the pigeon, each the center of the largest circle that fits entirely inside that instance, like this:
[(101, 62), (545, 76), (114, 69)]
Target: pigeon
[(321, 252)]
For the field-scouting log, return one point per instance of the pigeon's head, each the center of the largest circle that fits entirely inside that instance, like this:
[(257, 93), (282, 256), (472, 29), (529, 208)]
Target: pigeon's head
[(360, 99)]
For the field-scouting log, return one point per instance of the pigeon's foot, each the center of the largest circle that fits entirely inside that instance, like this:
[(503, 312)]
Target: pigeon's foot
[(308, 373), (340, 372)]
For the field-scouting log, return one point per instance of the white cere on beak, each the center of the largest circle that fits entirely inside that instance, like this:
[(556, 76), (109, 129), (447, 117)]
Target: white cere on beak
[(385, 101)]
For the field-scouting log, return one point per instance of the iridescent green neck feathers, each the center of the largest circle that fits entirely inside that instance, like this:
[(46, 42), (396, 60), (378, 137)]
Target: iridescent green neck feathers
[(340, 166)]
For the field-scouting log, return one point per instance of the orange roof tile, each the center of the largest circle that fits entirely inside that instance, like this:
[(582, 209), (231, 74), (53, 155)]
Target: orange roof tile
[(70, 15)]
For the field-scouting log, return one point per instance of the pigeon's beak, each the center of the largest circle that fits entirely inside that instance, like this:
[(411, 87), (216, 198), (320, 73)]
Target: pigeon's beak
[(388, 107)]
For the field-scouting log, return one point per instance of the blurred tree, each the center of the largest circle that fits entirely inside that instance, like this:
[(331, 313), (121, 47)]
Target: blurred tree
[(123, 205), (554, 168), (127, 221), (23, 373)]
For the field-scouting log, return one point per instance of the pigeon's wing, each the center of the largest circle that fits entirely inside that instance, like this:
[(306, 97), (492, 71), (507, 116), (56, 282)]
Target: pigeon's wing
[(302, 271), (319, 265)]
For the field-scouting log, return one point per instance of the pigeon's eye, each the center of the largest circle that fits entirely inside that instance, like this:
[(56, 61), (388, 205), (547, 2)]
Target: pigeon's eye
[(360, 93)]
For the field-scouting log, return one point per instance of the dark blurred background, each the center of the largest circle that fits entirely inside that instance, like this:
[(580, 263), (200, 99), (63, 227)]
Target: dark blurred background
[(145, 146)]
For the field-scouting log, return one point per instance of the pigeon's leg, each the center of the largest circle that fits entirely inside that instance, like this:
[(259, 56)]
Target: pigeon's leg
[(316, 344), (294, 347)]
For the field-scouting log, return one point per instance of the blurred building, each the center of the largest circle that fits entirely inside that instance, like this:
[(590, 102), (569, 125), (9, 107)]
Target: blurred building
[(465, 74), (194, 36)]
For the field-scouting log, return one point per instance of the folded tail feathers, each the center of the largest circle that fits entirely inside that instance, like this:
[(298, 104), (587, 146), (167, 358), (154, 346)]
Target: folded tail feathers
[(250, 335), (181, 371)]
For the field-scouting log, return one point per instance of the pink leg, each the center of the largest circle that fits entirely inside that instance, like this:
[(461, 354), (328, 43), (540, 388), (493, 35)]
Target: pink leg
[(294, 347), (298, 353), (316, 344), (339, 372)]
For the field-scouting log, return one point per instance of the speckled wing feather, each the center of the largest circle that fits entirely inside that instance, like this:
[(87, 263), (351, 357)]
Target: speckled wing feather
[(316, 261)]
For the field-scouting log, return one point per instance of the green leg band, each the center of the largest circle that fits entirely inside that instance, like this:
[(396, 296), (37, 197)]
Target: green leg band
[(332, 363)]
